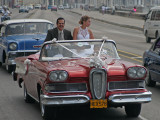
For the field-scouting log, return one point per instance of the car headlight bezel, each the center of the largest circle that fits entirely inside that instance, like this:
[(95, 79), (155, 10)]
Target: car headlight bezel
[(136, 72), (58, 76), (13, 46)]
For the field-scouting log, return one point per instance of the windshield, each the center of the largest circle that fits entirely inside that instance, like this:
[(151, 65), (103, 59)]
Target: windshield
[(71, 50), (28, 28)]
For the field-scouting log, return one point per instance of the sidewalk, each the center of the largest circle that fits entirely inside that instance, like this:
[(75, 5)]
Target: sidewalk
[(127, 22)]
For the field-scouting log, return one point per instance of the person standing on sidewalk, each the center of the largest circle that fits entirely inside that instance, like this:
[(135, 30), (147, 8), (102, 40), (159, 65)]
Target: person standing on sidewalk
[(103, 9), (83, 32)]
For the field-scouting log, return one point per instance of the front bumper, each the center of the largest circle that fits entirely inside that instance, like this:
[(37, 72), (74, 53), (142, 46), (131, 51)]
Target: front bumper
[(64, 100), (12, 55), (130, 98), (82, 99)]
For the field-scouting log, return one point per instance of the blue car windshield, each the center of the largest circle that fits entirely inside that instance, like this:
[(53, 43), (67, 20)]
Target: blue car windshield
[(28, 28)]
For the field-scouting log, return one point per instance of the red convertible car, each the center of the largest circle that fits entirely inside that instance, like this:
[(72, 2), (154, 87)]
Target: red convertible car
[(81, 72)]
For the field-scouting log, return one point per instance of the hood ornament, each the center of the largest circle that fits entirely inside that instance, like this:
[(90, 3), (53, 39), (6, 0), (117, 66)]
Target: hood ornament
[(96, 61)]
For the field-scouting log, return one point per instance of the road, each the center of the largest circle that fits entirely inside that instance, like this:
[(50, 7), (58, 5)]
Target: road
[(130, 44)]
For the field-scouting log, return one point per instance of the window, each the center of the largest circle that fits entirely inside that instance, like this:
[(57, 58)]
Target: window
[(157, 15), (153, 15)]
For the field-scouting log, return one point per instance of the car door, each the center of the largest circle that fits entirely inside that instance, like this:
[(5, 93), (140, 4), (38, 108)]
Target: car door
[(156, 24), (154, 61), (151, 27)]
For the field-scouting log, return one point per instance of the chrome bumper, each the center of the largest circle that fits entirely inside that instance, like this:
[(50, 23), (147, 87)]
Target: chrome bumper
[(130, 98), (64, 100)]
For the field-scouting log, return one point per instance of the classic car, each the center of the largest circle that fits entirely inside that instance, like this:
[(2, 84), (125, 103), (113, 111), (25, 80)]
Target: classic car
[(54, 8), (37, 6), (21, 37), (151, 60), (81, 72), (60, 7), (24, 9), (43, 7)]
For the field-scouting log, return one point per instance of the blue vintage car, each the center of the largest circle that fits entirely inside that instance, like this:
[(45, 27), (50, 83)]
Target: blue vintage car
[(151, 60), (21, 37)]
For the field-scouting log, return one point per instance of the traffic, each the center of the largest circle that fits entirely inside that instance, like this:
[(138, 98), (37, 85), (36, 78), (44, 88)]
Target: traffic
[(59, 72)]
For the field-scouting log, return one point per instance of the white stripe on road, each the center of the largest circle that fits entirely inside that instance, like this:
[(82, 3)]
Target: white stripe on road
[(142, 118)]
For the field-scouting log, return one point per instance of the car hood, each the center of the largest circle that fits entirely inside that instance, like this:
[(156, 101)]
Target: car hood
[(81, 68), (27, 42)]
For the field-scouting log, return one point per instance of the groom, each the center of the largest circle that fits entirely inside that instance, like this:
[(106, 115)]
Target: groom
[(59, 32)]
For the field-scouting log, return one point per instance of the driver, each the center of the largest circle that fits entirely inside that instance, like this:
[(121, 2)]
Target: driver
[(5, 14)]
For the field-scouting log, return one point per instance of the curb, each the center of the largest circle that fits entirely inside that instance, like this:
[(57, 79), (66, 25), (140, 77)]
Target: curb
[(113, 23)]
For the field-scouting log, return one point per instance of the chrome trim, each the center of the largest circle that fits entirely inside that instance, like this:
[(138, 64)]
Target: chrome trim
[(24, 51), (103, 83), (126, 89), (131, 98), (64, 100)]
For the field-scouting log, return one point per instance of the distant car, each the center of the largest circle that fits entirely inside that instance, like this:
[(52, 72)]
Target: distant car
[(66, 7), (23, 9), (1, 9), (54, 8), (37, 6), (30, 7), (50, 6), (152, 24), (151, 60), (43, 7), (88, 73), (20, 37), (60, 7)]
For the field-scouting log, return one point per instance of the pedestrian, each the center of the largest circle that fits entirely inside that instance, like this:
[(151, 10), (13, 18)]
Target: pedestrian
[(133, 10), (83, 32), (59, 32), (113, 10), (103, 9), (5, 14)]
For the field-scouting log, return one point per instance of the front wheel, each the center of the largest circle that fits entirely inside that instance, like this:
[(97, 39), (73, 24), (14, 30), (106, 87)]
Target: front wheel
[(48, 113), (133, 110), (148, 39), (27, 98)]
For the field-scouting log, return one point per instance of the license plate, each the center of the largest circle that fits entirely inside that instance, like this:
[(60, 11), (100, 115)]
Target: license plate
[(98, 103)]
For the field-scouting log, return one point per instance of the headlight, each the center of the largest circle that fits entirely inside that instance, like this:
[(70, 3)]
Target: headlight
[(12, 46), (58, 76), (136, 72)]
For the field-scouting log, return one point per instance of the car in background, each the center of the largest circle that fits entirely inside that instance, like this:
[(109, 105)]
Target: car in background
[(66, 6), (50, 6), (54, 8), (60, 7), (23, 9), (21, 37), (43, 7), (88, 73), (152, 24), (37, 6), (151, 60), (30, 7), (1, 9)]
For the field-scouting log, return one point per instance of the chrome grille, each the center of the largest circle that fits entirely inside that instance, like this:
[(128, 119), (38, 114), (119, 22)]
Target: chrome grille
[(98, 83), (66, 87), (125, 85)]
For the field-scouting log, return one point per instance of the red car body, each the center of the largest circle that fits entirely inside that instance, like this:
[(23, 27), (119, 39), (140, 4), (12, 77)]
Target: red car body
[(84, 84)]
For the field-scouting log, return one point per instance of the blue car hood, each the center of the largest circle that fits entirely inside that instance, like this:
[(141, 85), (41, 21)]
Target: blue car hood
[(27, 42)]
